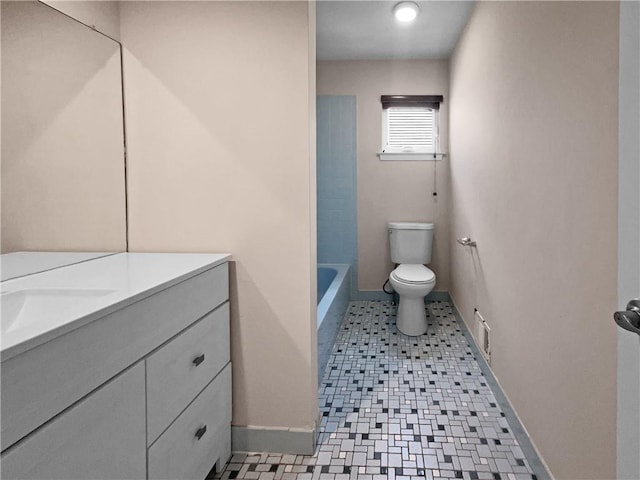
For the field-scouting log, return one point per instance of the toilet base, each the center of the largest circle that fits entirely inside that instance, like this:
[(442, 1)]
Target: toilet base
[(411, 318)]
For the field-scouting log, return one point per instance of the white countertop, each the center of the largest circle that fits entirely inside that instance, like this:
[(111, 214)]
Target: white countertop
[(19, 264), (72, 296)]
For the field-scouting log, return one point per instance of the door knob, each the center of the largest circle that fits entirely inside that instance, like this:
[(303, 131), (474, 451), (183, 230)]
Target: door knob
[(630, 318)]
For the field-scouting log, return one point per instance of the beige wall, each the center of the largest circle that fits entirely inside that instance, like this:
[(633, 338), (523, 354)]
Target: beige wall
[(63, 142), (102, 15), (220, 159), (392, 190), (533, 174)]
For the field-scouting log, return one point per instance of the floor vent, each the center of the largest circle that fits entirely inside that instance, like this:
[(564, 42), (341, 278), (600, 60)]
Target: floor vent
[(484, 337)]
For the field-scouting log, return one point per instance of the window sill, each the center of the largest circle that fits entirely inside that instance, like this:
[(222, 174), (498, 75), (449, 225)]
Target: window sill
[(411, 156)]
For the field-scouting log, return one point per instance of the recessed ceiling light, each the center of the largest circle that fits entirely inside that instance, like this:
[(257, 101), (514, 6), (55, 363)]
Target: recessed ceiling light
[(406, 11)]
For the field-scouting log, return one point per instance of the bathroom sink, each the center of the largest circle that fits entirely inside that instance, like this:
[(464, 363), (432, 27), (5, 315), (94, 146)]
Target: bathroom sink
[(22, 308)]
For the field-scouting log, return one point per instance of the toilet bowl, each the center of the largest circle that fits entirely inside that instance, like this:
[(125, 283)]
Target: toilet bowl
[(412, 282), (411, 244)]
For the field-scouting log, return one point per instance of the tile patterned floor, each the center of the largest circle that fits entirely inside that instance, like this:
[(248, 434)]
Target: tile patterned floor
[(396, 407)]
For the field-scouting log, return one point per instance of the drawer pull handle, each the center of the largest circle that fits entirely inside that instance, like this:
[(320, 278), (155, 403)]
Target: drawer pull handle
[(201, 431), (198, 360)]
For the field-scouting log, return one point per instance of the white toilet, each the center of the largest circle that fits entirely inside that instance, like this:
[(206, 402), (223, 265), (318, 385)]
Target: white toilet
[(411, 248)]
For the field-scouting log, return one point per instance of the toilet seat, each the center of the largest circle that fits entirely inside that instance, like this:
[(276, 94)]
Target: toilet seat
[(413, 274)]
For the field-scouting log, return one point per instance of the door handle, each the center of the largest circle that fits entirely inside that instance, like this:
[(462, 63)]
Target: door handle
[(630, 318)]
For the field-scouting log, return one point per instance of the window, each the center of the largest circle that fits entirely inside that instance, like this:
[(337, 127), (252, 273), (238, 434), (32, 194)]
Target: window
[(410, 127)]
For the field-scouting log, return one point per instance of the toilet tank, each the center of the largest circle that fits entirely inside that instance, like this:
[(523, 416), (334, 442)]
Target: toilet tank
[(411, 242)]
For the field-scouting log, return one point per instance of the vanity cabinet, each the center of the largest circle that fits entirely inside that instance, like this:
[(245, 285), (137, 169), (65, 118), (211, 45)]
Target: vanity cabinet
[(102, 436), (182, 368), (197, 436), (141, 392)]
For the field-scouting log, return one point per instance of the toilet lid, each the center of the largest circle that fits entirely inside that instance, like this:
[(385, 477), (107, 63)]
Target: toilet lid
[(414, 273)]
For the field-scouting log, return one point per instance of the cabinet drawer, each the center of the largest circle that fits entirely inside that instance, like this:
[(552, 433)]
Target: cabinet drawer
[(178, 453), (102, 437), (179, 370), (42, 382)]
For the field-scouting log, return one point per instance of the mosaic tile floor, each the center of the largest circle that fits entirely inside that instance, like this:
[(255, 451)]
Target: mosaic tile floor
[(396, 407)]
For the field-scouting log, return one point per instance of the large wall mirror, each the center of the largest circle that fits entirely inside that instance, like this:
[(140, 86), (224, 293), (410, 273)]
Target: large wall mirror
[(63, 163)]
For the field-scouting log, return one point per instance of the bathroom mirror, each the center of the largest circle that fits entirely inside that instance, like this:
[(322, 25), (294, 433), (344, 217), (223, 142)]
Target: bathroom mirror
[(63, 164)]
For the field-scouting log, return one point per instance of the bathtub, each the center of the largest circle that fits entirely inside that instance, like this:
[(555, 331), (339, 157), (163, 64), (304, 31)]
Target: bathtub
[(334, 293)]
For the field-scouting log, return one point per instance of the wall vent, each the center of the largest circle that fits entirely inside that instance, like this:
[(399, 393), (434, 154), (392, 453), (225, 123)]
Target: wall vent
[(483, 336)]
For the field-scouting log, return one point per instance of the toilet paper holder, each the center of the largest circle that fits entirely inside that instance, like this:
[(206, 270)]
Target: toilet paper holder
[(466, 242)]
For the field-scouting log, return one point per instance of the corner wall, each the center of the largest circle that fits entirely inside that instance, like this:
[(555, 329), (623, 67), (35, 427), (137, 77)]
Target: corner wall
[(220, 111), (393, 190), (534, 181)]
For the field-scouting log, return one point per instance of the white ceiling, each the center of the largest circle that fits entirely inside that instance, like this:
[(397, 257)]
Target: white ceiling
[(367, 30)]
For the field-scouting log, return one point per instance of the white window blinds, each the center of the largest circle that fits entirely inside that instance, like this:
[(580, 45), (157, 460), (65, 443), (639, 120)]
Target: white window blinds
[(411, 129)]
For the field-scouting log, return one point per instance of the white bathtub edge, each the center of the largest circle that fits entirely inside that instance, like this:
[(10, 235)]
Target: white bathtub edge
[(329, 295)]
